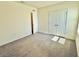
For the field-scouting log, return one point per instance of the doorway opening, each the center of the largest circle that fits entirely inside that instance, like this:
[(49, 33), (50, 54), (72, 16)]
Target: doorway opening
[(32, 23)]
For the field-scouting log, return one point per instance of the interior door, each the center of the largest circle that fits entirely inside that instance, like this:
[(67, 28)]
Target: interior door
[(34, 22), (57, 22)]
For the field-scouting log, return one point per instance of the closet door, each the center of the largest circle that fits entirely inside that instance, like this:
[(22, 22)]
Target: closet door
[(57, 22), (52, 23)]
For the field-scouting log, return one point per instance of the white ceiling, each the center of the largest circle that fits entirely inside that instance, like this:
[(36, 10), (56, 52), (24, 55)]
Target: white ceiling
[(39, 4)]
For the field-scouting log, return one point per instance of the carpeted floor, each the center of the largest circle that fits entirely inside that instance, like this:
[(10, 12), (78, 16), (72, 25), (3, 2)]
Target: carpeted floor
[(38, 45)]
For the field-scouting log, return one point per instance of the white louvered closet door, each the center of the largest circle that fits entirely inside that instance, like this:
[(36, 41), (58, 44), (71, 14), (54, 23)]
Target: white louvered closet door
[(57, 22)]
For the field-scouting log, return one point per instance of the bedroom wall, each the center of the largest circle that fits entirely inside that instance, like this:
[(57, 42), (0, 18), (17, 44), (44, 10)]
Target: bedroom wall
[(15, 21), (71, 19)]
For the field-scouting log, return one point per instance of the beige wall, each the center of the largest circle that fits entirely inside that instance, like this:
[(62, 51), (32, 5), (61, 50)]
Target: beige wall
[(15, 21), (71, 19)]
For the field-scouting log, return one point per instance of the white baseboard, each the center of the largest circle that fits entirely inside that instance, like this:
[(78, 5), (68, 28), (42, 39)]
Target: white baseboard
[(14, 39)]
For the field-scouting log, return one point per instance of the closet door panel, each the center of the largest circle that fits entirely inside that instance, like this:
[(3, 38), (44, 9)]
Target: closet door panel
[(52, 23), (61, 21)]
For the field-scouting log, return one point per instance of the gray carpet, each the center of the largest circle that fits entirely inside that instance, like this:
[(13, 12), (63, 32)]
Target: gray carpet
[(38, 45)]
